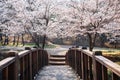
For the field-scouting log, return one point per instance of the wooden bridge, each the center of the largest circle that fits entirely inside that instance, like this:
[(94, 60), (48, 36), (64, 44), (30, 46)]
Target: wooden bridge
[(33, 64)]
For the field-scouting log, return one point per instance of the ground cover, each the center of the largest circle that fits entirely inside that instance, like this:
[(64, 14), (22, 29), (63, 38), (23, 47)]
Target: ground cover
[(110, 53)]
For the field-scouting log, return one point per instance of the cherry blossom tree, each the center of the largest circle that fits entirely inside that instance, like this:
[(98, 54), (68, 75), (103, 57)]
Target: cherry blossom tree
[(45, 19), (43, 15), (11, 17), (34, 17), (93, 17), (60, 18)]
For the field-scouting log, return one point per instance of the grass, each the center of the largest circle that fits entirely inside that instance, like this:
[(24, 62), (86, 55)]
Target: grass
[(5, 49), (30, 45), (118, 62), (110, 53), (46, 45), (108, 50), (49, 46)]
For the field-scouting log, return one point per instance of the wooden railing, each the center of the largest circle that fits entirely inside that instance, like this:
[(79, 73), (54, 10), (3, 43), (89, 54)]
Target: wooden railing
[(92, 65), (24, 65)]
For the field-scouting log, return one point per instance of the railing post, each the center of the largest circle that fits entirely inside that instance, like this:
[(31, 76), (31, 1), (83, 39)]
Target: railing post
[(75, 54), (39, 59), (84, 48), (5, 73), (30, 62), (73, 59), (78, 62), (83, 61), (115, 77), (42, 61), (97, 67), (90, 62), (22, 68), (35, 62), (46, 58), (26, 66), (66, 58), (13, 69), (104, 73)]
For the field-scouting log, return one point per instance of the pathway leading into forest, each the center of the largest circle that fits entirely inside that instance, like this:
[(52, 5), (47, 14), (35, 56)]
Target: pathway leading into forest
[(61, 50)]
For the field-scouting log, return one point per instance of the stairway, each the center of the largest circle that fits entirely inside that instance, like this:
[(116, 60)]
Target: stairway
[(57, 60)]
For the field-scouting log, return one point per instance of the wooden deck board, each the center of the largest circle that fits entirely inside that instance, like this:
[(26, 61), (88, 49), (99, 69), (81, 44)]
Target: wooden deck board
[(57, 73)]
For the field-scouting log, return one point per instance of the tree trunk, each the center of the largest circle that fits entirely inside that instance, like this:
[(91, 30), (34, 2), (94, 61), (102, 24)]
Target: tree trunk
[(14, 40), (34, 39), (90, 42), (6, 42), (1, 38), (23, 43), (18, 40), (116, 44), (44, 40), (92, 38)]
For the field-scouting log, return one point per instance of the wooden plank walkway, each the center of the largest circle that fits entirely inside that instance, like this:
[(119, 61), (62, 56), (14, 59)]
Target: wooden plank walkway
[(55, 72)]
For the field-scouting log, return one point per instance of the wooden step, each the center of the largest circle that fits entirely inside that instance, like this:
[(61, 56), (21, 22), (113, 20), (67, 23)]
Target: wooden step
[(57, 55), (57, 63), (57, 59)]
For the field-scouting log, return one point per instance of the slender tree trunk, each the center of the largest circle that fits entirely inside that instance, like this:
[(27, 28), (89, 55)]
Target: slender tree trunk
[(4, 43), (92, 38), (44, 41), (23, 43), (38, 39), (14, 40), (90, 42), (116, 44), (47, 21), (18, 40), (7, 40), (34, 39), (1, 39)]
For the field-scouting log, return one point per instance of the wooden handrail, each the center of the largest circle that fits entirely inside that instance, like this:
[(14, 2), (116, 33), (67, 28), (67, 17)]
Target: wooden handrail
[(6, 62), (23, 65), (23, 53), (109, 64), (92, 65)]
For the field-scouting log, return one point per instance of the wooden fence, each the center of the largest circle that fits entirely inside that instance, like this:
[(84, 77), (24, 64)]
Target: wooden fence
[(24, 65), (92, 65)]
